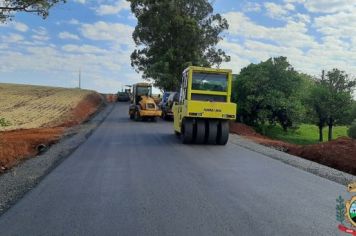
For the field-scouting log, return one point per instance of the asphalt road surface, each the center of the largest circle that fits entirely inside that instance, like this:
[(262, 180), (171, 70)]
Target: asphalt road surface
[(136, 178)]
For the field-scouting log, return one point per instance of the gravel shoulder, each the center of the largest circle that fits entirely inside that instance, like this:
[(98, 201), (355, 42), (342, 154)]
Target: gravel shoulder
[(15, 183), (298, 162)]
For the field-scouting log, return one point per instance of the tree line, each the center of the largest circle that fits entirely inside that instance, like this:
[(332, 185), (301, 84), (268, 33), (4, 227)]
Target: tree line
[(273, 92)]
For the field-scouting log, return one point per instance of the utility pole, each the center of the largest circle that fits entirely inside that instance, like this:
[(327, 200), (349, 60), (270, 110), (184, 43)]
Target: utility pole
[(80, 78)]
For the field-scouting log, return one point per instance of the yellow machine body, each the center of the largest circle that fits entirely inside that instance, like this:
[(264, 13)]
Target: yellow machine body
[(205, 102), (143, 105)]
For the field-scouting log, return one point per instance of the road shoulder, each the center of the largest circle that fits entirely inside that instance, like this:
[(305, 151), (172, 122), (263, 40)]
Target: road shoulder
[(298, 162), (15, 183)]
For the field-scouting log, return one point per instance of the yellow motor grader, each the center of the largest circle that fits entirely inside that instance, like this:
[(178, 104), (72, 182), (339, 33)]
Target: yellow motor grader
[(143, 106)]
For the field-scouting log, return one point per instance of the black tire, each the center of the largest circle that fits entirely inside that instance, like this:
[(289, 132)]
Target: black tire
[(137, 116), (199, 131), (212, 131), (187, 131), (223, 133), (154, 119), (132, 116)]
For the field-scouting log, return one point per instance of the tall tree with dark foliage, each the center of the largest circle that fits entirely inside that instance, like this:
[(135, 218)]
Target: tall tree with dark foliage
[(173, 34), (39, 7)]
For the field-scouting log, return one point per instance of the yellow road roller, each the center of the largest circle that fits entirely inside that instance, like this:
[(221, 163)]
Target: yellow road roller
[(202, 114)]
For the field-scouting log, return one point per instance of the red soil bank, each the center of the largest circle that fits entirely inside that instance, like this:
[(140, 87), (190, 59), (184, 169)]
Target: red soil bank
[(339, 154), (18, 145)]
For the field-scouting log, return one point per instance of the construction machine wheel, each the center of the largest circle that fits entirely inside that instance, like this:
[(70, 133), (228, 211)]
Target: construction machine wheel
[(212, 131), (199, 131), (187, 131), (223, 133), (164, 117), (137, 116), (132, 116)]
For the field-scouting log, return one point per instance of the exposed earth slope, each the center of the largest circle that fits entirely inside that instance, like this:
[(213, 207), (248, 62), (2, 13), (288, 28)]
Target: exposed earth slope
[(37, 117)]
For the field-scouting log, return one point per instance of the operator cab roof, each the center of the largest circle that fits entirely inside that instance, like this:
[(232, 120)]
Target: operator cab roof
[(207, 70), (143, 85)]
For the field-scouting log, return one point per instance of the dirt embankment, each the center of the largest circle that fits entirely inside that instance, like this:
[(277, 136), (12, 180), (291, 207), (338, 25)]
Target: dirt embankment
[(339, 154), (17, 145)]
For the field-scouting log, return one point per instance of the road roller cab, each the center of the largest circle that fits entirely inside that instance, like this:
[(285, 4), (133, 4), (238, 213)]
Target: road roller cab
[(143, 105), (204, 108)]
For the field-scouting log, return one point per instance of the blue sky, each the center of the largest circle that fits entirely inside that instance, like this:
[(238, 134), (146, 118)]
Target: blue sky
[(95, 37)]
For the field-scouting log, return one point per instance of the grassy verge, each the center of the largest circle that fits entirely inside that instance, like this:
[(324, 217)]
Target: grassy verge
[(304, 135)]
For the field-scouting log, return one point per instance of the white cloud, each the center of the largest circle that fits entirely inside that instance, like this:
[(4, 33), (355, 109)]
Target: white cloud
[(20, 26), (302, 18), (74, 22), (101, 64), (41, 34), (289, 7), (294, 1), (293, 33), (330, 6), (50, 61), (252, 7), (3, 46), (275, 10), (67, 35), (336, 47), (86, 49), (40, 37), (101, 83), (117, 32), (80, 1), (12, 38), (104, 52), (119, 6), (326, 6), (339, 24), (278, 11)]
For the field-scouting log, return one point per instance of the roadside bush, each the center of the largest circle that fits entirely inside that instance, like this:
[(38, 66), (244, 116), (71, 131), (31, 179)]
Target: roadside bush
[(352, 130), (4, 123)]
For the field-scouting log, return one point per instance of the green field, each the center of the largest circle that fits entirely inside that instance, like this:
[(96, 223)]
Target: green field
[(305, 134)]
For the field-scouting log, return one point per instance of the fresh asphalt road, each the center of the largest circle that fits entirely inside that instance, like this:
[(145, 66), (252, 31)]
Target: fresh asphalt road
[(136, 178)]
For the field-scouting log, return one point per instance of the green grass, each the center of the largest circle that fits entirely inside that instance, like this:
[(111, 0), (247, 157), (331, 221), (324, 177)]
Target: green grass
[(305, 134)]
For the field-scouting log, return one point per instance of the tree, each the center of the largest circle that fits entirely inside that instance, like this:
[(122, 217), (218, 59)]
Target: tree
[(269, 92), (39, 7), (331, 100), (318, 106), (352, 130), (340, 87), (352, 116), (173, 34)]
